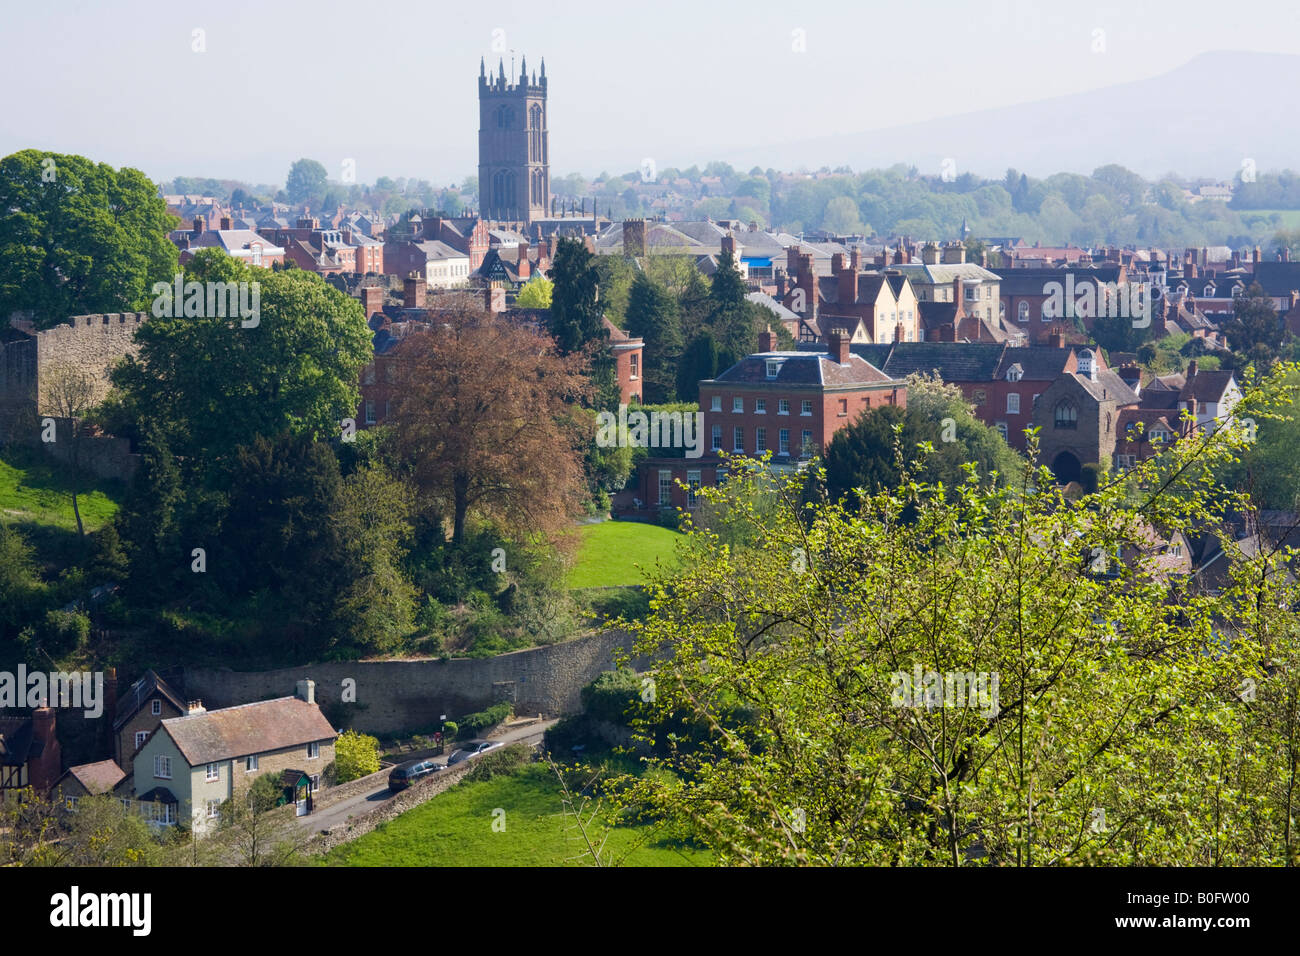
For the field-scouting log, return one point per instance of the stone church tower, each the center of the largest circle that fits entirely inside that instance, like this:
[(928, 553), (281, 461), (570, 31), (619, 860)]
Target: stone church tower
[(514, 180)]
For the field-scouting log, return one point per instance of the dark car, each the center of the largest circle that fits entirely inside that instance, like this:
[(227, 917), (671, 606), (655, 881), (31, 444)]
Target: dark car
[(408, 773), (472, 748)]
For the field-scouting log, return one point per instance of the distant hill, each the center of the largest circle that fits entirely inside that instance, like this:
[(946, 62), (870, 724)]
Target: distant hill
[(1200, 120)]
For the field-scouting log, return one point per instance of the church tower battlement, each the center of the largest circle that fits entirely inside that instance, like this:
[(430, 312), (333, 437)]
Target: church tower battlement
[(514, 179)]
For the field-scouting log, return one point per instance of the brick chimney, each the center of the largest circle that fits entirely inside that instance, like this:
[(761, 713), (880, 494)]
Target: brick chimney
[(729, 244), (413, 291), (494, 298), (837, 263), (848, 286), (807, 281), (1192, 368), (110, 696), (767, 340), (1055, 339), (838, 346), (44, 770), (372, 300), (199, 225), (1255, 255), (930, 254), (958, 298), (525, 268), (225, 222), (634, 237)]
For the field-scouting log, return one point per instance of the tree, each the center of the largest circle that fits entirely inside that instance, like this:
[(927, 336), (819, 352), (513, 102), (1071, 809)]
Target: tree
[(842, 217), (70, 394), (377, 604), (20, 583), (214, 384), (38, 830), (699, 362), (355, 755), (306, 180), (963, 688), (1254, 331), (576, 317), (150, 521), (535, 294), (472, 446), (652, 315), (79, 237), (732, 317), (255, 830)]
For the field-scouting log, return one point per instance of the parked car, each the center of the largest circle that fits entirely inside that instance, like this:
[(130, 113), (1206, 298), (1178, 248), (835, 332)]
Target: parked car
[(404, 775), (472, 748)]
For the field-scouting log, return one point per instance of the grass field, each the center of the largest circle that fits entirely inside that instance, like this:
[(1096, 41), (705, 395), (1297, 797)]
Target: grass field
[(455, 828), (37, 490), (1290, 217), (611, 551)]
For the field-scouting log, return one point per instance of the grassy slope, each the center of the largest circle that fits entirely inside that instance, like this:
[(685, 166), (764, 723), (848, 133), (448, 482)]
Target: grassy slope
[(35, 490), (455, 829), (611, 551)]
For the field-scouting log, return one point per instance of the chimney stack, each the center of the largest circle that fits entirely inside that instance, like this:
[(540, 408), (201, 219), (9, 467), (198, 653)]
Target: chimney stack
[(193, 707), (372, 300), (225, 222), (199, 225), (413, 291), (838, 342), (524, 267), (1192, 368), (306, 690), (1055, 339), (494, 298), (767, 340), (45, 769)]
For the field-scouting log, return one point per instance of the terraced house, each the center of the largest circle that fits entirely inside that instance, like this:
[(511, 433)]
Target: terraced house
[(192, 764)]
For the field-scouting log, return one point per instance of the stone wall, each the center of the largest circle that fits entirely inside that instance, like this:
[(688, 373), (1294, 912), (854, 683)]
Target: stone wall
[(394, 696)]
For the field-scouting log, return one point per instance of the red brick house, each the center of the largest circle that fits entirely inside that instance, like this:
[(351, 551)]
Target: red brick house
[(788, 403), (29, 753)]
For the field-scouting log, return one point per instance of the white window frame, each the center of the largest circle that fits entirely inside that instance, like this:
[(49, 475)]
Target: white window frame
[(315, 782), (692, 487), (760, 440), (760, 406), (140, 737), (162, 767), (665, 493), (737, 405), (715, 438), (212, 772), (805, 407), (155, 707), (783, 406), (214, 809), (715, 403), (783, 441), (1013, 403), (250, 763), (738, 439), (313, 750), (773, 368), (370, 411)]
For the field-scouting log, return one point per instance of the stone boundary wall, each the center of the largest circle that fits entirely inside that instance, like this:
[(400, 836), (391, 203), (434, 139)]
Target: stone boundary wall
[(353, 788), (408, 799), (406, 696)]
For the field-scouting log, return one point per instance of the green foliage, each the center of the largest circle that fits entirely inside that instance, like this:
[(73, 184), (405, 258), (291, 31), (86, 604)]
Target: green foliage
[(502, 762), (535, 294), (355, 755), (79, 237), (1138, 718), (212, 385), (652, 314), (471, 725), (575, 318), (1255, 332), (306, 181)]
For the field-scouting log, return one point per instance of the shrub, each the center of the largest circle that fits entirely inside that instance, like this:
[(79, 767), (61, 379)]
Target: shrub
[(504, 762), (355, 755), (473, 724)]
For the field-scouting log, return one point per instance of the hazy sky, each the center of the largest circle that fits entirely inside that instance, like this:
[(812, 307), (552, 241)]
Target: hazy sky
[(392, 84)]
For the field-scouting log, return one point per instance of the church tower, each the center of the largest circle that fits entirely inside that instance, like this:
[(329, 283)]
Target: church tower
[(514, 179)]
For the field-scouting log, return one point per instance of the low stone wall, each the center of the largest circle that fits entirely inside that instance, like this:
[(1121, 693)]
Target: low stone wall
[(387, 697), (352, 788), (408, 799)]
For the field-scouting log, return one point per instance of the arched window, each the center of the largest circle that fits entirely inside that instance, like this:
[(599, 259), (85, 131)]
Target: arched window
[(1067, 415), (1022, 313), (505, 117)]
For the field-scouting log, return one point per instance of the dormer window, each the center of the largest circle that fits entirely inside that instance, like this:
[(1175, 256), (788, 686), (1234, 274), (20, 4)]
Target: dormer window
[(1015, 373), (1208, 291), (1087, 365), (773, 368)]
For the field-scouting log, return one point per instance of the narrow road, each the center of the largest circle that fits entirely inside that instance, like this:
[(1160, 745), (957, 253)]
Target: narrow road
[(363, 803)]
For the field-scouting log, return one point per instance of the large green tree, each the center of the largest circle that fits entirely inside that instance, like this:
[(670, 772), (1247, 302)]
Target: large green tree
[(306, 180), (948, 679), (79, 237), (652, 315), (1255, 332), (213, 384), (576, 316)]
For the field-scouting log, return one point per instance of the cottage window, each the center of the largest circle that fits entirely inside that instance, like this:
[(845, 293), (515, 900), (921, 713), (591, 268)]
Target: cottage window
[(162, 767), (214, 808), (315, 782), (313, 751), (250, 763), (213, 771), (156, 707), (140, 737)]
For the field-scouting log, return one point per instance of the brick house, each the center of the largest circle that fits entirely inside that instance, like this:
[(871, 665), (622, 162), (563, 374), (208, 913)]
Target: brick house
[(441, 265), (137, 713), (30, 755), (249, 247), (1078, 417), (191, 764), (788, 403), (1207, 396), (1024, 295)]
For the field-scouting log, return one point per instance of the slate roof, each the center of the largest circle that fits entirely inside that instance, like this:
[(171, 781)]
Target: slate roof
[(769, 303), (944, 273), (248, 728), (130, 701), (1278, 278), (803, 368), (1108, 387), (1207, 386), (435, 249), (1032, 281), (99, 777)]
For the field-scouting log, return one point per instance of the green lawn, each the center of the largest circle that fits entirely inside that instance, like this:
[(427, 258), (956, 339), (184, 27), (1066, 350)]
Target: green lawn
[(1290, 217), (456, 829), (612, 550), (36, 490)]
